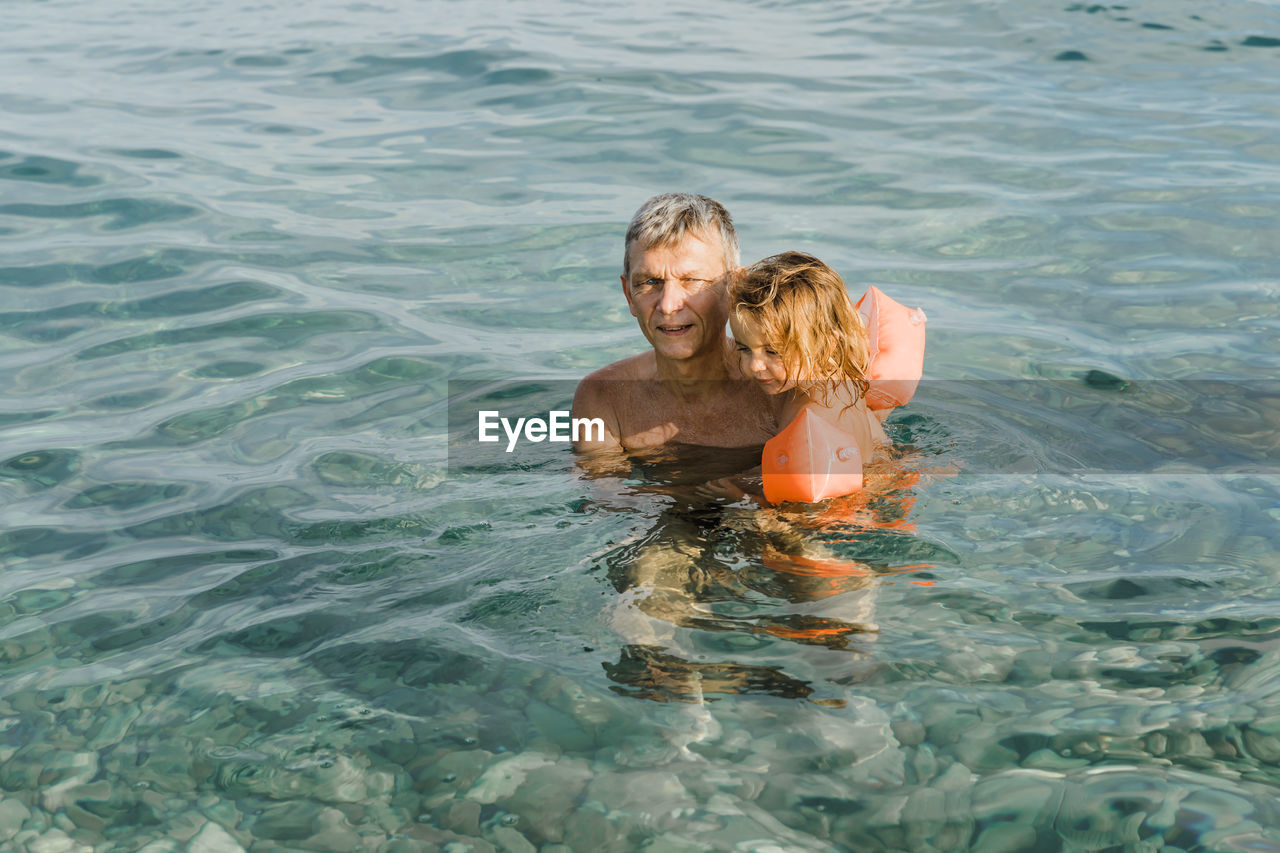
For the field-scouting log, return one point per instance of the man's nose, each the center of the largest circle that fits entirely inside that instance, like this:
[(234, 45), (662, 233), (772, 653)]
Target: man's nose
[(673, 296)]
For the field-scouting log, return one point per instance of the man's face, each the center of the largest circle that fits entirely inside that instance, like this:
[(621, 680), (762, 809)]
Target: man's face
[(677, 293)]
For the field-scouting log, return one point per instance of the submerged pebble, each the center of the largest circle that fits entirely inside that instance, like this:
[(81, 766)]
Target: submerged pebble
[(212, 838), (548, 797), (501, 779), (509, 840)]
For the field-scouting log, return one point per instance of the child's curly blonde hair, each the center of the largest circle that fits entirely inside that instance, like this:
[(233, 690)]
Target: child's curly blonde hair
[(802, 308)]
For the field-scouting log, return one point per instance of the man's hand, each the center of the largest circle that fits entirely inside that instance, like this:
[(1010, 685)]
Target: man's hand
[(724, 489)]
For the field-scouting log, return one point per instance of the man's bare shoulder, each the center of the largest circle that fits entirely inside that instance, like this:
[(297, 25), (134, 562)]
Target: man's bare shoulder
[(606, 394), (615, 385)]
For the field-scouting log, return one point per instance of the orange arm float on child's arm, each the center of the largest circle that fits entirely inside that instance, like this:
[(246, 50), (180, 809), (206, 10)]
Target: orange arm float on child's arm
[(896, 335), (811, 459)]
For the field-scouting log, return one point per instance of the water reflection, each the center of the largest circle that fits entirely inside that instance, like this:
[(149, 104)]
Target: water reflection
[(710, 587)]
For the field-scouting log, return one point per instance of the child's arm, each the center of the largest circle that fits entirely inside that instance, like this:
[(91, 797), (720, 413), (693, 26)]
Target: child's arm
[(855, 419)]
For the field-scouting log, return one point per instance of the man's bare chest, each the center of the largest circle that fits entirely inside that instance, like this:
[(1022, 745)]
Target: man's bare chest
[(722, 417)]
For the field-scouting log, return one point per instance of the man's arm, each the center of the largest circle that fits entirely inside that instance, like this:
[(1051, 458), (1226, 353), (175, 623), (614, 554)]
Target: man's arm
[(593, 404), (599, 449)]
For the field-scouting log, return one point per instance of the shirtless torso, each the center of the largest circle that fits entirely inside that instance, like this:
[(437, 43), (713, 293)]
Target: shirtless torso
[(641, 411)]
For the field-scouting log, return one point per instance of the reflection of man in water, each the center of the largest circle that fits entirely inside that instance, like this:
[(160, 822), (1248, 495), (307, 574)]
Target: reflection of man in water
[(683, 391), (678, 253)]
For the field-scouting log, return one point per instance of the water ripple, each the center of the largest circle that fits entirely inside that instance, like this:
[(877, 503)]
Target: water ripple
[(247, 601)]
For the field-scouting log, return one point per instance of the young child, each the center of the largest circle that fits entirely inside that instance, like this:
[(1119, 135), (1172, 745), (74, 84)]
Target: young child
[(797, 333)]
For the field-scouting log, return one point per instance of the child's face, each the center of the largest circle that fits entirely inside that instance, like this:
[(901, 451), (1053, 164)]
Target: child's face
[(757, 357)]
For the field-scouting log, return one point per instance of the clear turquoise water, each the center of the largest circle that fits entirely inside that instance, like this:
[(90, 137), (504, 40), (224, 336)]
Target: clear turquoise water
[(245, 604)]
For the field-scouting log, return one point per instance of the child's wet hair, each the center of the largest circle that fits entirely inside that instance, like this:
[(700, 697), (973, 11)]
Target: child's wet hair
[(802, 308)]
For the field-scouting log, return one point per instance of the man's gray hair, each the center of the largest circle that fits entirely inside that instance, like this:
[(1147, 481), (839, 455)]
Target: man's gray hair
[(665, 219)]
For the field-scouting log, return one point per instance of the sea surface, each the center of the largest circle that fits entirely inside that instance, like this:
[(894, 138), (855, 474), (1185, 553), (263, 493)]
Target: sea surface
[(253, 254)]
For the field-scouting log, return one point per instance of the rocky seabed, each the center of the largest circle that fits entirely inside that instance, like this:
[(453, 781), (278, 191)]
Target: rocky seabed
[(537, 763)]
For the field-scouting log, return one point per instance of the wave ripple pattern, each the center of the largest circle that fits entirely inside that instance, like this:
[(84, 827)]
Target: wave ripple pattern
[(247, 603)]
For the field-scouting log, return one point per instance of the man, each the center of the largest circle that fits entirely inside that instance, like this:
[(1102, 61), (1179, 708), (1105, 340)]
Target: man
[(678, 253)]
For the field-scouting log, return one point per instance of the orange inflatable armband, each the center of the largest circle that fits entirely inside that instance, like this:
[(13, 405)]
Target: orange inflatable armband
[(897, 349), (810, 460)]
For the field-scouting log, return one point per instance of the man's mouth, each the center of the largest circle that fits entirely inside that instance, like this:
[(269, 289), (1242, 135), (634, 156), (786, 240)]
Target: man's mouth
[(675, 330)]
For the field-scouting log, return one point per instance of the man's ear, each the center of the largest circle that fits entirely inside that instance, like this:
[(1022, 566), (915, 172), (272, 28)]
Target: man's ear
[(626, 291)]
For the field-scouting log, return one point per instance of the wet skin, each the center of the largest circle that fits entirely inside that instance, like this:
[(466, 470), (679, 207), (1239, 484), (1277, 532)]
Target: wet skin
[(676, 293), (683, 388), (757, 357)]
